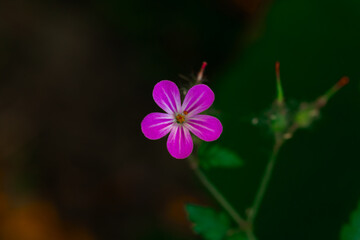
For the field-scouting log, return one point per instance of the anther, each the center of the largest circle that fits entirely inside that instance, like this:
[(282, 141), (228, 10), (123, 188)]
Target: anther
[(180, 118)]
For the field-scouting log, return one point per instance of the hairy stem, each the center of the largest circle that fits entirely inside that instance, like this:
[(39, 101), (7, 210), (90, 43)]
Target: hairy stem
[(264, 182), (223, 202), (220, 198)]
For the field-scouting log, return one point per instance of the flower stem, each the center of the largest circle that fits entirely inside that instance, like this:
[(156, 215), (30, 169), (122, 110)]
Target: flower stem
[(264, 182), (220, 198), (223, 202)]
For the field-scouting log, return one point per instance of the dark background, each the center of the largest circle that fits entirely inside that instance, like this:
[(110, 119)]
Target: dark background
[(76, 79)]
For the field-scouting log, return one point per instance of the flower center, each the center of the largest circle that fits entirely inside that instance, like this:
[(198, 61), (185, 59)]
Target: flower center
[(180, 117)]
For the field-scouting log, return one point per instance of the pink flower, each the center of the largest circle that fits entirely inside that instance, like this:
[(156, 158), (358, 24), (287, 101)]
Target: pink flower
[(181, 119)]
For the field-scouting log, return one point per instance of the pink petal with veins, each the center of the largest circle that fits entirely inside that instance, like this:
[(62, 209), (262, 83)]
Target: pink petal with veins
[(198, 99), (156, 125), (179, 143), (207, 128), (167, 96)]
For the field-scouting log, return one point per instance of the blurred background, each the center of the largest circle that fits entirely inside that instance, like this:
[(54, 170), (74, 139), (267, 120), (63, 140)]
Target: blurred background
[(76, 79)]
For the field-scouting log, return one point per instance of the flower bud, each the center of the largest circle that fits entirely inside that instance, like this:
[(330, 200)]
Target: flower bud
[(279, 122), (306, 115)]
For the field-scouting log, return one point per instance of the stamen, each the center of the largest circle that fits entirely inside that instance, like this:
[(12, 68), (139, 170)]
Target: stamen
[(186, 112), (180, 118)]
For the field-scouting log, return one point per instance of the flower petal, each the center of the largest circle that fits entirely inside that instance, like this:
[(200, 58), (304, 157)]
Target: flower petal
[(207, 128), (179, 143), (167, 96), (198, 99), (156, 125)]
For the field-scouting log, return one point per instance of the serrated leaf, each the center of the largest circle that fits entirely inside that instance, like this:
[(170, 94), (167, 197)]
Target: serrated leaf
[(351, 231), (217, 156), (212, 225)]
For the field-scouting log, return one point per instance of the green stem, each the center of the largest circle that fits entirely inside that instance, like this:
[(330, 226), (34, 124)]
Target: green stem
[(264, 182), (225, 204), (220, 198), (244, 225)]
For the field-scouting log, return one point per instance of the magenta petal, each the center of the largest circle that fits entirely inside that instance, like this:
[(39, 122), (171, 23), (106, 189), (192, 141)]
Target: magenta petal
[(198, 99), (156, 125), (179, 143), (167, 96), (207, 128)]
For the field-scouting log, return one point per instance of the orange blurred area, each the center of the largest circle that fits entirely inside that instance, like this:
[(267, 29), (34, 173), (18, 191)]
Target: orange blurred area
[(36, 220), (174, 211)]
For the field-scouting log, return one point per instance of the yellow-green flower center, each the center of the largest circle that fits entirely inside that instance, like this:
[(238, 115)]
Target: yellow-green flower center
[(180, 117)]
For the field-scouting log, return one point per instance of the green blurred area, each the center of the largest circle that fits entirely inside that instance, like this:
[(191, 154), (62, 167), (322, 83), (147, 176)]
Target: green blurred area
[(316, 181)]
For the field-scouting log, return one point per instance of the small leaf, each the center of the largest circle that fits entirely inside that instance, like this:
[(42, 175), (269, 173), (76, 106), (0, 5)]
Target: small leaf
[(351, 231), (217, 156), (212, 225)]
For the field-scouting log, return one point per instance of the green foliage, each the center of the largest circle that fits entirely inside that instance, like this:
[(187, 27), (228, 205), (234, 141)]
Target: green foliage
[(212, 225), (351, 231), (216, 156)]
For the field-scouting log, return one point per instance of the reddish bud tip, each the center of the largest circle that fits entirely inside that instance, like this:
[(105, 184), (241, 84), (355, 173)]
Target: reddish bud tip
[(343, 81), (203, 66), (201, 72), (277, 68)]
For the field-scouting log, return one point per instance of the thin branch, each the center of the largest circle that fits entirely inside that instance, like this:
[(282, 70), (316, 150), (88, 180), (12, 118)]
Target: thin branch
[(264, 182)]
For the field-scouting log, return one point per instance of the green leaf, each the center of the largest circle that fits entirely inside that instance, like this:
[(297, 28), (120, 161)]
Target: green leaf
[(351, 231), (212, 225), (217, 156)]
